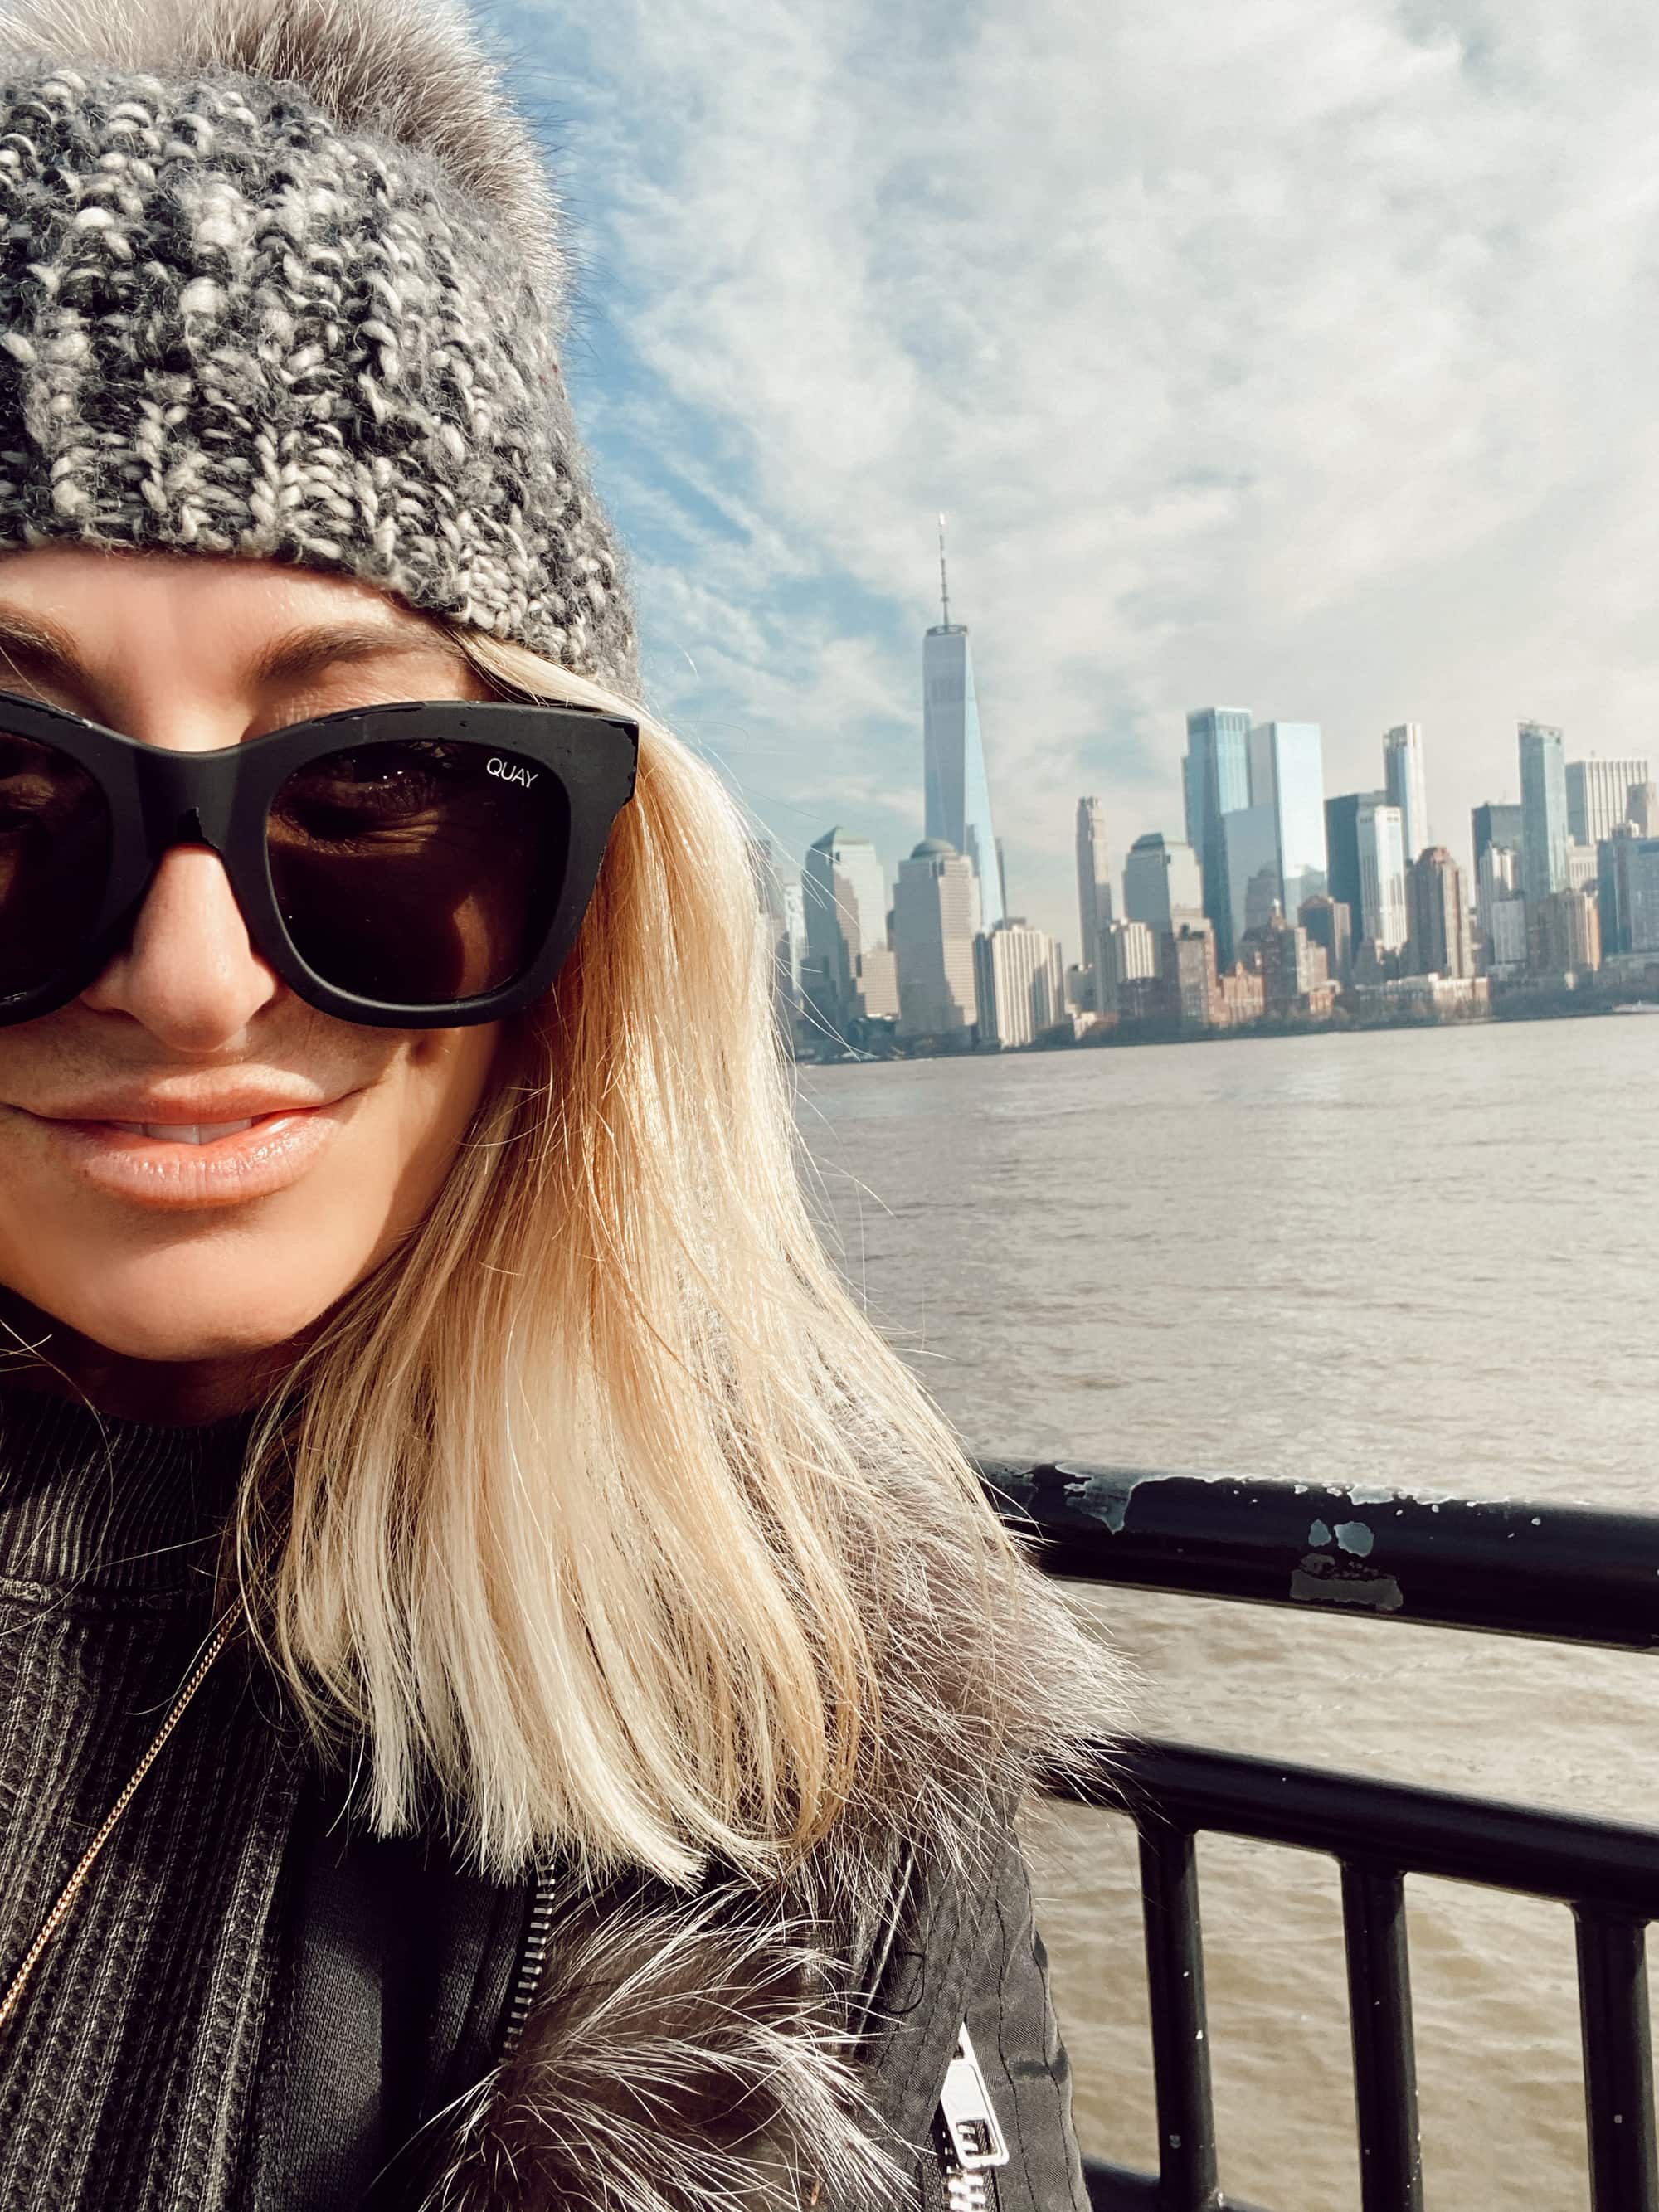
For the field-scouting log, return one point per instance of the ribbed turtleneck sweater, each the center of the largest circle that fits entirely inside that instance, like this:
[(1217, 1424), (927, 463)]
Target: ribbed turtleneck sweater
[(126, 2075)]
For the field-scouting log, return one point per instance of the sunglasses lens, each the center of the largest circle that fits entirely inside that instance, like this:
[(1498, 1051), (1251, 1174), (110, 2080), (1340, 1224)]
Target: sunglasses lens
[(55, 845), (419, 873)]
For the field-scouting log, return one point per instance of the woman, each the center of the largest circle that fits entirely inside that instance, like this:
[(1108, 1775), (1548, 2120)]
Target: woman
[(509, 1695)]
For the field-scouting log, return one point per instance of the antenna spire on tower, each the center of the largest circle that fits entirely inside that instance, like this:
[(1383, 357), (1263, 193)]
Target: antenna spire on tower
[(944, 581)]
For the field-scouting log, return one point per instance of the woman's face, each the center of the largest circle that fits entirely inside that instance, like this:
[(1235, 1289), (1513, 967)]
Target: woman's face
[(212, 1255)]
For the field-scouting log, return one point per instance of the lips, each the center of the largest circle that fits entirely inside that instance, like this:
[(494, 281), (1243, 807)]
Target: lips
[(184, 1132), (221, 1159)]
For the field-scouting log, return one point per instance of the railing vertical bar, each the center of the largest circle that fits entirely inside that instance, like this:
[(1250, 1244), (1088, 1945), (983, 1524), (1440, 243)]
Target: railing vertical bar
[(1181, 2048), (1384, 2055), (1613, 2012)]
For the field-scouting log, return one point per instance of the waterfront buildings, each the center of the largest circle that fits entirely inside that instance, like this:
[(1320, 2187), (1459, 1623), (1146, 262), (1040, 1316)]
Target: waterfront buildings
[(1020, 983), (1403, 776), (1294, 977), (1217, 783), (1425, 998), (1500, 911), (936, 918), (955, 792), (1243, 997), (1188, 959), (1380, 844), (1094, 875), (1564, 934), (1329, 924), (1506, 939), (1163, 884), (1438, 915), (1598, 797), (844, 899), (1126, 954), (1543, 811)]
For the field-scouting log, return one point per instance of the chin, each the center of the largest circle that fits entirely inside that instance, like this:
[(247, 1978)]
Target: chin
[(193, 1305)]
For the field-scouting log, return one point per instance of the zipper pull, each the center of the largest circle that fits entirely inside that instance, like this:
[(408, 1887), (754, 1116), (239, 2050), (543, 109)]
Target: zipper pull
[(973, 2139)]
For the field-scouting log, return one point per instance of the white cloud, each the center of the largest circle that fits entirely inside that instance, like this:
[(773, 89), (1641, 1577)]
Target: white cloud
[(1292, 352)]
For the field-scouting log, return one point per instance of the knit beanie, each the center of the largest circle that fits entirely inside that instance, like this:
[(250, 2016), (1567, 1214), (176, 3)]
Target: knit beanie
[(285, 279)]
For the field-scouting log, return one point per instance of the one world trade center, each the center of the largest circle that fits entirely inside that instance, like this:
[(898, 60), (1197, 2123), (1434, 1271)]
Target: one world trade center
[(955, 795)]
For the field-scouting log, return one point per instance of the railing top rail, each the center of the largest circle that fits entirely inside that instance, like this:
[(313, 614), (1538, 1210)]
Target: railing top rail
[(1574, 1858), (1574, 1574)]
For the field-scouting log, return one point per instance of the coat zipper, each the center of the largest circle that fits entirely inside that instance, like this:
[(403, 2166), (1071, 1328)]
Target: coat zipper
[(532, 1958), (969, 2141)]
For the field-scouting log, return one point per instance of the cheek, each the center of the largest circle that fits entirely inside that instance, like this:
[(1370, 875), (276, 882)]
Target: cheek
[(175, 1285)]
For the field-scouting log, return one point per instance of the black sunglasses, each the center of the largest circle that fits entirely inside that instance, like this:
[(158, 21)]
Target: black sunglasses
[(410, 866)]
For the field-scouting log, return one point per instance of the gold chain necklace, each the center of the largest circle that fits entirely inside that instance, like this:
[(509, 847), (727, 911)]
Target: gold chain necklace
[(72, 1887)]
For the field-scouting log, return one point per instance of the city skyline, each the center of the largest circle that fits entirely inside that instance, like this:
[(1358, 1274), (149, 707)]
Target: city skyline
[(1277, 837), (1232, 755), (837, 300), (1281, 904)]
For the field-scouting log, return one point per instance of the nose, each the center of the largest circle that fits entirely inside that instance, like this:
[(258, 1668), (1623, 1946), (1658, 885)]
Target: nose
[(189, 973)]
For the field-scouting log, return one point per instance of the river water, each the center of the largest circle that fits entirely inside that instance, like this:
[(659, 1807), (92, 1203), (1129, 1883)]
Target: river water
[(1423, 1258)]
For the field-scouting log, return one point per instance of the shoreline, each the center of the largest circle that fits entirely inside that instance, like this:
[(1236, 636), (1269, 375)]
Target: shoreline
[(1513, 1007)]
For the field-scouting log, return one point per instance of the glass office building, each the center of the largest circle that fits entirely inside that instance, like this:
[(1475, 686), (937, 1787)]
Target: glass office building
[(1287, 774), (1543, 811), (1217, 781), (1402, 776)]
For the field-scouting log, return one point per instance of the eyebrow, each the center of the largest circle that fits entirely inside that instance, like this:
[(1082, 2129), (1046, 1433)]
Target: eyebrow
[(306, 650), (38, 639), (311, 649)]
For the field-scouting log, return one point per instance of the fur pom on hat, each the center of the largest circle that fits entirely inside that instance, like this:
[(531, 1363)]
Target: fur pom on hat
[(281, 278)]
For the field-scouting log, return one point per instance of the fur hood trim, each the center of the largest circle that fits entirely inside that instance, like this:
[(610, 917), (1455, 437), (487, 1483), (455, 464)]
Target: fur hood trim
[(410, 73), (678, 2059), (702, 2055)]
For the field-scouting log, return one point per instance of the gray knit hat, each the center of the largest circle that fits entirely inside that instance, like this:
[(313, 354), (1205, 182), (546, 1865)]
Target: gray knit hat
[(284, 278)]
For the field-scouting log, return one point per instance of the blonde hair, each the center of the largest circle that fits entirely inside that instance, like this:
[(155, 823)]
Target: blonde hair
[(579, 1514)]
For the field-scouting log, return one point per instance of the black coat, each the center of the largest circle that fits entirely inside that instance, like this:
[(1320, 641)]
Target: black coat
[(388, 2069)]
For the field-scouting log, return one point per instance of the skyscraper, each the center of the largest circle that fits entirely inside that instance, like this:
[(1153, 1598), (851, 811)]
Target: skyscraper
[(1381, 839), (1162, 884), (1645, 895), (1598, 797), (1438, 916), (1495, 825), (1187, 958), (1094, 875), (1274, 847), (844, 894), (1543, 811), (1342, 848), (936, 914), (957, 796), (1402, 777), (1287, 773), (1217, 780)]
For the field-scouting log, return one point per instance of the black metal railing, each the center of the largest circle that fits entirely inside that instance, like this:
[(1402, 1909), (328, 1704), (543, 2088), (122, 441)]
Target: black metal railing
[(1568, 1574)]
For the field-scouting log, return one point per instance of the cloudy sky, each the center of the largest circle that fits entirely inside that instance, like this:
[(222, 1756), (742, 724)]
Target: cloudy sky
[(1297, 355)]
